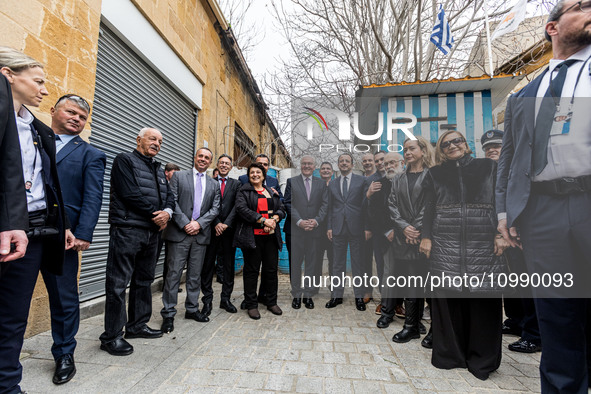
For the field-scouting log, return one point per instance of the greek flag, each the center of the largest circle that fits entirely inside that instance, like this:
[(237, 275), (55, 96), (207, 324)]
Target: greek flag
[(441, 35)]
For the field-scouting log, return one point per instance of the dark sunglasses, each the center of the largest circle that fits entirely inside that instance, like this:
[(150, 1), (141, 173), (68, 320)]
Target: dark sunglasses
[(455, 141), (584, 6)]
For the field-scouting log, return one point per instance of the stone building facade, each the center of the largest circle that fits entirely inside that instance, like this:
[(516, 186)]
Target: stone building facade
[(231, 114)]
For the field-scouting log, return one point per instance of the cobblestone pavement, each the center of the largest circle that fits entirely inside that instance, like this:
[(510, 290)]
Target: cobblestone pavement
[(306, 351)]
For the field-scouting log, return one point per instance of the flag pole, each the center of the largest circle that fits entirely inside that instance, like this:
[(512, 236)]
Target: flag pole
[(490, 61)]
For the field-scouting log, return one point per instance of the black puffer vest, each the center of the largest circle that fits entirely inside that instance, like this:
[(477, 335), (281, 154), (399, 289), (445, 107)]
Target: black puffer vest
[(153, 186), (464, 225)]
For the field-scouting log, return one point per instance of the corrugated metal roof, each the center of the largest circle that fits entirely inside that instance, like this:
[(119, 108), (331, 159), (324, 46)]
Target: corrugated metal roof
[(500, 86)]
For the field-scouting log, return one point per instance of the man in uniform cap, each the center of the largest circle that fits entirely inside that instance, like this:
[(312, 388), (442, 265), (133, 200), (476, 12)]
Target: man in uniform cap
[(492, 141)]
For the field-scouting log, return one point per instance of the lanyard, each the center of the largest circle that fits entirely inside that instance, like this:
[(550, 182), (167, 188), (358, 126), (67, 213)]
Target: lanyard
[(38, 146)]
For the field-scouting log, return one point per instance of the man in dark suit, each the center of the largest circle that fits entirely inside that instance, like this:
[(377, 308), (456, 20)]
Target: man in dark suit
[(13, 202), (140, 208), (48, 225), (346, 226), (272, 183), (197, 198), (221, 241), (543, 193), (306, 201), (81, 168)]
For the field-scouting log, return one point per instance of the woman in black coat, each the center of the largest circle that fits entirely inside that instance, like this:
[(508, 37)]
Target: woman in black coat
[(460, 237), (259, 210)]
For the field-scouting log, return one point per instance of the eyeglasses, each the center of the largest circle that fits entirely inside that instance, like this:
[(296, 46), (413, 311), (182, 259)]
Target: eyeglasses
[(455, 141), (584, 6), (82, 103)]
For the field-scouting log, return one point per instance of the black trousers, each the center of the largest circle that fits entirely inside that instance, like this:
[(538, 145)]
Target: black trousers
[(64, 304), (263, 258), (340, 243), (393, 296), (132, 258), (556, 236), (219, 245), (467, 334), (16, 290)]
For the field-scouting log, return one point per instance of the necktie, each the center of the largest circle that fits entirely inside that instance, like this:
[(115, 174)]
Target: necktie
[(345, 187), (59, 144), (197, 200), (546, 115), (223, 186), (308, 188)]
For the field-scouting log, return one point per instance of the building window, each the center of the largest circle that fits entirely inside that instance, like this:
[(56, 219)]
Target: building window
[(243, 148)]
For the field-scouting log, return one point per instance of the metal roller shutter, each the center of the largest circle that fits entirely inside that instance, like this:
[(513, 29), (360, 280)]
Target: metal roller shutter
[(130, 95)]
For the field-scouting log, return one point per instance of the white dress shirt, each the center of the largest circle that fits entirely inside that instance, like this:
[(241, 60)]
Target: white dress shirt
[(32, 173), (569, 155), (62, 140)]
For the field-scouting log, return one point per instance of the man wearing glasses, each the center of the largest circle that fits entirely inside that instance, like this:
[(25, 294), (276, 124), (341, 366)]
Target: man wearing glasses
[(543, 193), (81, 169)]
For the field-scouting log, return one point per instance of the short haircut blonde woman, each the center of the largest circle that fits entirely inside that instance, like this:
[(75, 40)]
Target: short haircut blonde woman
[(426, 148), (439, 155), (16, 61)]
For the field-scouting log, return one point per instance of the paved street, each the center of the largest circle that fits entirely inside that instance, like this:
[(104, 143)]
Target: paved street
[(304, 351)]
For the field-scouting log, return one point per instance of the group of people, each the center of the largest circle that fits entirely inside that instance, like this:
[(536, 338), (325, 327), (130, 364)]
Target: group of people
[(432, 212)]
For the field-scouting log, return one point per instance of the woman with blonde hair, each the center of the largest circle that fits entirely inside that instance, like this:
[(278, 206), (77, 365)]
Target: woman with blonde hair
[(47, 221), (460, 238), (406, 204)]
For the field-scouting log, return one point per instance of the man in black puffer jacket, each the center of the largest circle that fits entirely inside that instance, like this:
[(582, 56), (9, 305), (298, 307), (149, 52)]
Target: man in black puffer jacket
[(140, 208)]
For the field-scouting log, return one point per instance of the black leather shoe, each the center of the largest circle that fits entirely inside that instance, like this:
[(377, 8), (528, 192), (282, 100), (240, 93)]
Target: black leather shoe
[(384, 321), (167, 325), (145, 332), (524, 346), (197, 316), (118, 347), (422, 328), (427, 342), (333, 302), (308, 303), (511, 330), (243, 305), (360, 304), (228, 306), (65, 369), (207, 308), (296, 303), (407, 333)]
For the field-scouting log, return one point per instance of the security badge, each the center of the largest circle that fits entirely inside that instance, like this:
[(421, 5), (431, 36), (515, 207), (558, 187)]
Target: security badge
[(561, 123), (490, 134)]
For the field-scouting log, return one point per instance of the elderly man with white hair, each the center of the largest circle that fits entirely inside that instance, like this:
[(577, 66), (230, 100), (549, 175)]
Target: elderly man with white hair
[(141, 206)]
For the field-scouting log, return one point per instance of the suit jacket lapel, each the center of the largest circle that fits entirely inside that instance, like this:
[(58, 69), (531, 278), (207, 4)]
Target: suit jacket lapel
[(529, 93), (76, 142), (300, 183), (191, 183)]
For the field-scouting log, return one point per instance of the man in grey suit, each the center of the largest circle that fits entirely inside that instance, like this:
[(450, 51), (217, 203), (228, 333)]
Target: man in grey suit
[(543, 194), (197, 198), (346, 227)]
